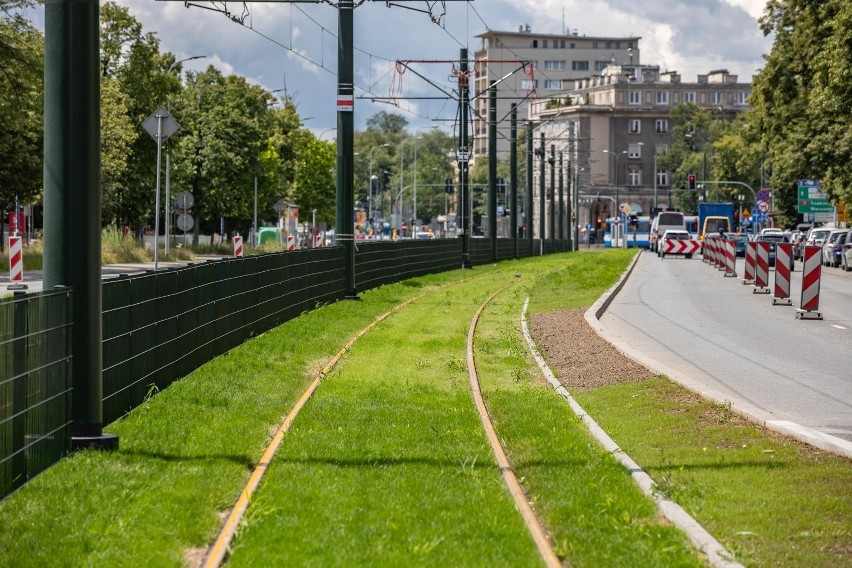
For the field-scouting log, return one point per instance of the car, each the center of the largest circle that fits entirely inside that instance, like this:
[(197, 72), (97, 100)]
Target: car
[(816, 237), (797, 238), (846, 258), (424, 235), (673, 235), (773, 239), (741, 240), (771, 231), (831, 248)]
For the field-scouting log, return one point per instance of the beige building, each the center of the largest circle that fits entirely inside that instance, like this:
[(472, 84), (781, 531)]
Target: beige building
[(554, 62), (612, 126)]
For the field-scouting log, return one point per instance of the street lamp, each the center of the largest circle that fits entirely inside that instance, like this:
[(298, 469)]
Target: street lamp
[(254, 223), (168, 160), (372, 180), (402, 173), (617, 196)]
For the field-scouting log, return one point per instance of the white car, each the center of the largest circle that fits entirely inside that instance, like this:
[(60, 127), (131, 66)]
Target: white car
[(673, 235)]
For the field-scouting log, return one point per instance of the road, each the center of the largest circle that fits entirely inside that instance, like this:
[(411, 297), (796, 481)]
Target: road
[(715, 330)]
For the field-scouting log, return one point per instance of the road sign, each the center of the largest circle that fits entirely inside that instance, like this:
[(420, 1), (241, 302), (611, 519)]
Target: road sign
[(279, 206), (185, 222), (812, 199), (185, 200), (763, 206), (170, 125)]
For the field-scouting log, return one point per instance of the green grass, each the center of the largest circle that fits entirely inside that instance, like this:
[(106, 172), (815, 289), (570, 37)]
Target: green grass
[(388, 465), (769, 499)]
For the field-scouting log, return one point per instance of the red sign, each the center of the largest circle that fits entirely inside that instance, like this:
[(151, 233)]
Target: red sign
[(21, 223), (680, 246)]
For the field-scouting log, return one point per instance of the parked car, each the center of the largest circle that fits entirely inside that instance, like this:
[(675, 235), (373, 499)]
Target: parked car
[(773, 239), (797, 239), (816, 237), (741, 240), (846, 258), (831, 247), (828, 246)]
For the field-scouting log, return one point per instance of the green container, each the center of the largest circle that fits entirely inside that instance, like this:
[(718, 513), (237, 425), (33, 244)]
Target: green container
[(268, 235)]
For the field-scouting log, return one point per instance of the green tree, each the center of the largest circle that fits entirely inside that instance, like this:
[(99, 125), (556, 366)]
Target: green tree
[(314, 183), (21, 114), (117, 134)]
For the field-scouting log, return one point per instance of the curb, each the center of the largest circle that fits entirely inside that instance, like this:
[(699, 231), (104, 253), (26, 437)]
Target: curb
[(748, 411)]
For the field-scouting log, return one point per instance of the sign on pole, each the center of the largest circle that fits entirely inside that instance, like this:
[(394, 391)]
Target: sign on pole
[(811, 197), (160, 125)]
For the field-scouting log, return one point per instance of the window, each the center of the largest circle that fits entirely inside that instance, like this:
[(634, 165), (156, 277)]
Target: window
[(634, 151), (561, 44), (579, 65), (742, 98), (689, 97), (609, 45), (552, 84), (634, 97), (634, 176), (618, 45), (662, 97), (662, 177), (573, 45), (544, 44), (662, 125), (601, 65), (529, 85), (715, 98), (633, 126), (554, 65), (535, 43), (535, 64), (594, 45)]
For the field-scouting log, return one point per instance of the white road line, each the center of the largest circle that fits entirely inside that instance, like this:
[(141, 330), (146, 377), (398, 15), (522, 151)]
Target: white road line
[(838, 326)]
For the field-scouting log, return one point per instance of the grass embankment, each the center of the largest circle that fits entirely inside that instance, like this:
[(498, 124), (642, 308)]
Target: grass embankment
[(388, 465)]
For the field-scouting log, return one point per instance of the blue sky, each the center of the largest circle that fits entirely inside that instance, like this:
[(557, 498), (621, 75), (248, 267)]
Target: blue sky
[(294, 46)]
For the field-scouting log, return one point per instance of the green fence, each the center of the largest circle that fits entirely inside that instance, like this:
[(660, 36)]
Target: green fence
[(35, 385), (160, 325)]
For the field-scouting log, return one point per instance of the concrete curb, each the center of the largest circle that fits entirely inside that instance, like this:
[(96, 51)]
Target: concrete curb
[(718, 555), (748, 411)]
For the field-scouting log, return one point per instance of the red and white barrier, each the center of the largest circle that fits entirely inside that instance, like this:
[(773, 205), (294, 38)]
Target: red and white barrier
[(16, 259), (718, 253), (238, 245), (291, 243), (705, 250), (730, 259), (318, 241), (680, 246), (750, 260), (783, 258), (811, 275), (761, 272)]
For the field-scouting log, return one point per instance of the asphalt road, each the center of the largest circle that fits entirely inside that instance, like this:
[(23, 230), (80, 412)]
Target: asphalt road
[(716, 331)]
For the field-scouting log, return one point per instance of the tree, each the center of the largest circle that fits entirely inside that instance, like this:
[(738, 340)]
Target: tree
[(21, 112), (117, 134), (314, 184)]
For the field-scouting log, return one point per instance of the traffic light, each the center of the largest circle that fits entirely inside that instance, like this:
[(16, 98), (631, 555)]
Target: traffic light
[(692, 182)]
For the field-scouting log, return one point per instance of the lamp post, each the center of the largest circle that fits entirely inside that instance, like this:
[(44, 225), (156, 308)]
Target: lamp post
[(616, 155), (402, 173), (168, 160), (372, 181), (253, 238)]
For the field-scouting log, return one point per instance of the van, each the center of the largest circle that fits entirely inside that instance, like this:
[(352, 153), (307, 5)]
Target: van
[(664, 221)]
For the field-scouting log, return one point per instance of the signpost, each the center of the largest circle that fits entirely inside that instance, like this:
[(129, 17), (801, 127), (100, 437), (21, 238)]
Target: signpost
[(812, 199), (160, 125), (185, 222)]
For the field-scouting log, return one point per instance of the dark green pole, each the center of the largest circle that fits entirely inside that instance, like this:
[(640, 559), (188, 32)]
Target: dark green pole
[(561, 203), (72, 198), (542, 197), (513, 178), (528, 196), (464, 192), (345, 225), (552, 161), (492, 169)]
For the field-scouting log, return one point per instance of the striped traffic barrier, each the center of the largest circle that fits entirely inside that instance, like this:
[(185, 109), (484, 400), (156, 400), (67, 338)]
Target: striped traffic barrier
[(730, 259), (783, 256), (318, 241), (705, 250), (720, 253), (16, 259), (761, 269), (750, 259), (811, 274), (238, 245), (291, 243)]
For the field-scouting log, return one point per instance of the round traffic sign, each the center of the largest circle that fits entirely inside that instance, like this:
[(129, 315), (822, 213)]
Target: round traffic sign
[(185, 222), (763, 206), (185, 200)]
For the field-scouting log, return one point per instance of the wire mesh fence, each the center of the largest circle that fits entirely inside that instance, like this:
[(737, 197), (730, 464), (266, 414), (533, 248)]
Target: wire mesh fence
[(384, 262), (35, 385)]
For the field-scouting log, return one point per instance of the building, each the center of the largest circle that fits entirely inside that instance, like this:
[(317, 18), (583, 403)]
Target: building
[(611, 127), (554, 62)]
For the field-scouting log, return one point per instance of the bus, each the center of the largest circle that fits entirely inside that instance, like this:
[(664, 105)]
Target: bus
[(636, 233)]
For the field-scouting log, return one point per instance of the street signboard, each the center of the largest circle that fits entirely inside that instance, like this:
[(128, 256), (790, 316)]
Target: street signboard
[(185, 222), (185, 200), (812, 199), (170, 125)]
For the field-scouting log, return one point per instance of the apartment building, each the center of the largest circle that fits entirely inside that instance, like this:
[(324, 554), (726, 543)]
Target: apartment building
[(610, 127), (554, 62)]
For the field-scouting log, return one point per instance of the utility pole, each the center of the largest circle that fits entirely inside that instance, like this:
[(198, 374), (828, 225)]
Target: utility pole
[(561, 202), (492, 169), (542, 197), (464, 191), (513, 178), (552, 161), (344, 230), (528, 196)]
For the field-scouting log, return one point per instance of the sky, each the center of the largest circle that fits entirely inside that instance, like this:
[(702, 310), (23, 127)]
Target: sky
[(294, 46)]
